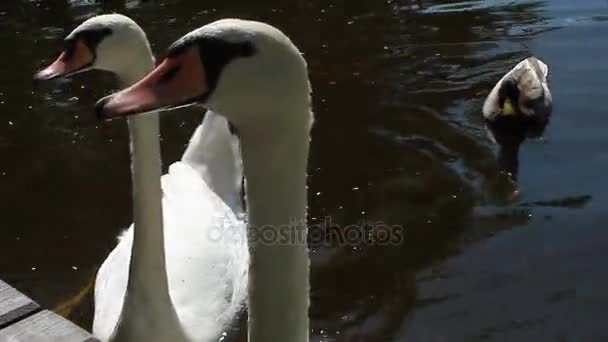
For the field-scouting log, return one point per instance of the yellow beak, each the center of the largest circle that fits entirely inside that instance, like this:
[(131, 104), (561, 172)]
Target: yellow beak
[(507, 108)]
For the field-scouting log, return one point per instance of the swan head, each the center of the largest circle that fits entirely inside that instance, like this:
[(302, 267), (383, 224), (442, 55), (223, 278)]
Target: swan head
[(111, 42), (248, 71)]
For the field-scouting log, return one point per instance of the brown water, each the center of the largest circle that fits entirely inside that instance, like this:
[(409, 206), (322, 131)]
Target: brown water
[(398, 87)]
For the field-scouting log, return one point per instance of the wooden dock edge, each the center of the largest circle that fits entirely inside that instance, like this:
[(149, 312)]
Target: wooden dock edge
[(23, 320)]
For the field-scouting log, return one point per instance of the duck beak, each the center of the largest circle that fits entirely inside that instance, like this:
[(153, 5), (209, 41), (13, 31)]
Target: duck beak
[(178, 81), (68, 63), (507, 108)]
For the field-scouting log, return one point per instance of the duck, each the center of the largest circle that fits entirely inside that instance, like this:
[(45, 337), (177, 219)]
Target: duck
[(254, 75), (179, 272), (518, 108)]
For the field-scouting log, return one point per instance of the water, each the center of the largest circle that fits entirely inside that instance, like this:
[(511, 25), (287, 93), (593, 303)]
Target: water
[(398, 87)]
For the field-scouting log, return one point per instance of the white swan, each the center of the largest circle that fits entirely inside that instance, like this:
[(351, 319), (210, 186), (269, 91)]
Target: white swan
[(203, 286), (251, 73)]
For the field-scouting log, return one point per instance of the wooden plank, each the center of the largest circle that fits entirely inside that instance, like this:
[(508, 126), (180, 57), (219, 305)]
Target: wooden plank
[(14, 305), (45, 326)]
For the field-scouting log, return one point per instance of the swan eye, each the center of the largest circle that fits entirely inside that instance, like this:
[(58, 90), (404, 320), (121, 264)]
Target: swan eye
[(216, 53), (69, 48), (91, 38), (170, 74)]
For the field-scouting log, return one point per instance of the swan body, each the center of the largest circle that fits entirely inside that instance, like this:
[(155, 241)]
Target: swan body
[(178, 273), (218, 276), (253, 74)]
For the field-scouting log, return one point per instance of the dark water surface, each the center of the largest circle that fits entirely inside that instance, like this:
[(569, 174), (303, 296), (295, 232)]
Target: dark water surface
[(398, 87)]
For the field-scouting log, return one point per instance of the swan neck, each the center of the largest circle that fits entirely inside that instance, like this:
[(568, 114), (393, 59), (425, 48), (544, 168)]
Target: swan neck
[(275, 165), (147, 299), (147, 268), (147, 271)]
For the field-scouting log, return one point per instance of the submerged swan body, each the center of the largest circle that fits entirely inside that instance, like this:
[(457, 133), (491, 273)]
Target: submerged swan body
[(251, 73), (179, 273)]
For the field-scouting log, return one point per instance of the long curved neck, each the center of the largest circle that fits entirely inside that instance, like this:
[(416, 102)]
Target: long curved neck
[(147, 272), (275, 165), (147, 306)]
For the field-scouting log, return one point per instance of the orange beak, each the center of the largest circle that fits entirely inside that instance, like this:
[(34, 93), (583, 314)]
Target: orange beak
[(68, 63), (178, 81)]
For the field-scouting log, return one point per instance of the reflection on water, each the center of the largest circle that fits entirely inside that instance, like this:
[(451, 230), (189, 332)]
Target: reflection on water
[(398, 88)]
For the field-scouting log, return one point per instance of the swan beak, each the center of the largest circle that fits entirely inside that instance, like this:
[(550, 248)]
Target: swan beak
[(507, 108), (68, 63), (178, 81)]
